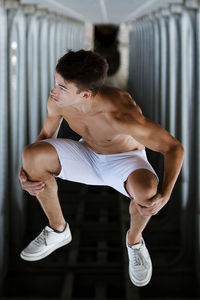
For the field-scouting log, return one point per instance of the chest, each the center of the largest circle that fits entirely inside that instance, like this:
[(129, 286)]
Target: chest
[(91, 127)]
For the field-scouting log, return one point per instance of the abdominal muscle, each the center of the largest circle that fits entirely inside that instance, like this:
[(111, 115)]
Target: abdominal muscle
[(119, 144)]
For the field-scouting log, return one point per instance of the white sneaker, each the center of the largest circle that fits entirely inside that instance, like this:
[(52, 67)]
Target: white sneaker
[(140, 266), (45, 243)]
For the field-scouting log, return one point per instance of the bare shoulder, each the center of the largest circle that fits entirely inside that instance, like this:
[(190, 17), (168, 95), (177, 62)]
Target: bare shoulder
[(123, 107), (114, 94)]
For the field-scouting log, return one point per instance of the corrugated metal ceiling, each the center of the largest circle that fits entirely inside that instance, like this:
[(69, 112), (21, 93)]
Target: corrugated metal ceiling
[(102, 11)]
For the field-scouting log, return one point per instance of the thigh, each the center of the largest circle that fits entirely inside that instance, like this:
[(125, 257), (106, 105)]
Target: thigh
[(120, 171), (41, 157), (76, 160)]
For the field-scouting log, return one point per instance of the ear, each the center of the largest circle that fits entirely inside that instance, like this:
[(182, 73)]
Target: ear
[(86, 94)]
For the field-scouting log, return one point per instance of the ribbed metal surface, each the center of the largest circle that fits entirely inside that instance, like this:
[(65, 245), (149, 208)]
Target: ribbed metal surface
[(140, 69), (17, 119), (189, 85), (174, 71), (44, 65), (3, 141), (198, 147), (175, 100), (30, 43)]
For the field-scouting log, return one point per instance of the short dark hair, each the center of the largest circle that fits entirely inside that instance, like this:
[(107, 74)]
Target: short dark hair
[(86, 69)]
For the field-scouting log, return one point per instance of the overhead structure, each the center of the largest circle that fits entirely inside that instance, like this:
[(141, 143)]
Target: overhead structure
[(102, 11)]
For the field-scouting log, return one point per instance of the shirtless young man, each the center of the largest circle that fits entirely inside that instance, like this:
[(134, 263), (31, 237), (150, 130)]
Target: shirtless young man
[(111, 152)]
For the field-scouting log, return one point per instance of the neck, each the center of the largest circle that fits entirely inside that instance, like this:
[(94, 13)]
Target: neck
[(86, 105)]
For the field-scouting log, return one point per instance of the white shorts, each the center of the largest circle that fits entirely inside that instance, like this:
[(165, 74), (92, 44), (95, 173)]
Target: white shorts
[(80, 164)]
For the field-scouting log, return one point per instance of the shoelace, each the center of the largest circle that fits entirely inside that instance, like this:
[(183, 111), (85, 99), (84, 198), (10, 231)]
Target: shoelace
[(136, 258), (42, 237)]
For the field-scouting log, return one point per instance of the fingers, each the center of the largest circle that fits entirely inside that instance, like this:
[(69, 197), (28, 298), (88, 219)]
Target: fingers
[(22, 176), (148, 211), (32, 185), (33, 188), (35, 192), (153, 201), (152, 206), (148, 204)]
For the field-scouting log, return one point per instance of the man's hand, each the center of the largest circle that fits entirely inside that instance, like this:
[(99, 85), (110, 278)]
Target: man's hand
[(33, 188), (153, 206)]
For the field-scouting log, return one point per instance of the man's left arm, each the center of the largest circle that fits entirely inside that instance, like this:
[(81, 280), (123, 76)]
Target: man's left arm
[(156, 138)]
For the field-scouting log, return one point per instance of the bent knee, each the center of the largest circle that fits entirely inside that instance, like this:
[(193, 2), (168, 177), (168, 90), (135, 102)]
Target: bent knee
[(142, 186), (150, 190), (146, 194), (40, 156)]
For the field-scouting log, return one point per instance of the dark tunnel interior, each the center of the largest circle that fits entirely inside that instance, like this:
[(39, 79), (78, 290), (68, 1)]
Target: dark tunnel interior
[(106, 43)]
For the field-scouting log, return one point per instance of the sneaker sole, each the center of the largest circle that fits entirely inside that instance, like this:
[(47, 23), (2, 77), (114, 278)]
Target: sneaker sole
[(140, 283), (44, 254)]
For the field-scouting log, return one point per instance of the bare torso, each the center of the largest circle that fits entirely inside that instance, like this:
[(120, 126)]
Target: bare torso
[(96, 127)]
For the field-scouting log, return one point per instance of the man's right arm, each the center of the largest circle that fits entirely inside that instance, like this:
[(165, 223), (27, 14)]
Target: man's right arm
[(49, 129), (52, 122)]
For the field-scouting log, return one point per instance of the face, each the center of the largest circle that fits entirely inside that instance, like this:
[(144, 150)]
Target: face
[(66, 93)]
